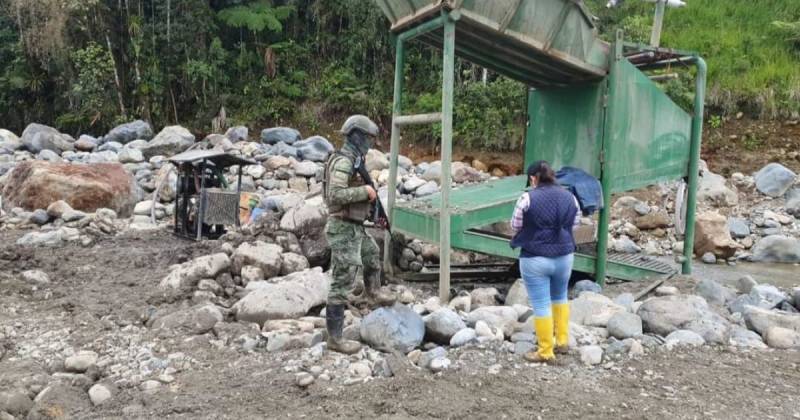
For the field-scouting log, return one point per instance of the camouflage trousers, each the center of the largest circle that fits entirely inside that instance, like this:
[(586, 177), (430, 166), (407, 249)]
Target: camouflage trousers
[(352, 248)]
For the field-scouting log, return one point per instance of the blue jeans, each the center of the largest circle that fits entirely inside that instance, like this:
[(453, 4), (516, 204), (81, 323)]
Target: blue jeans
[(546, 280)]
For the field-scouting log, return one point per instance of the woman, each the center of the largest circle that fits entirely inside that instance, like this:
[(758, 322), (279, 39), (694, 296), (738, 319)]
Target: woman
[(542, 223)]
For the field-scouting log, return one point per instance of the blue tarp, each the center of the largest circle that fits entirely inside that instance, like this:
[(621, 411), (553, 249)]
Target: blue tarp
[(584, 186)]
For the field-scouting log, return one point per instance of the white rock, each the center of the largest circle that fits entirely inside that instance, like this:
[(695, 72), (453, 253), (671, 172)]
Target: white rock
[(99, 394), (189, 273), (464, 337), (683, 338), (35, 277), (591, 355), (80, 362)]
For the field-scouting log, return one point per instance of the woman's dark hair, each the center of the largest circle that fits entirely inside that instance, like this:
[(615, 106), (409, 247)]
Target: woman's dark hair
[(542, 170)]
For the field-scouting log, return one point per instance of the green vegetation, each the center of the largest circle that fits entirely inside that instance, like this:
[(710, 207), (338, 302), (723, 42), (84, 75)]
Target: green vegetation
[(86, 65)]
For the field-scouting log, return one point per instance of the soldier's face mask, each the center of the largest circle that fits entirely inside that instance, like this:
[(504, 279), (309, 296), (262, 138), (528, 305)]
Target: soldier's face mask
[(361, 141)]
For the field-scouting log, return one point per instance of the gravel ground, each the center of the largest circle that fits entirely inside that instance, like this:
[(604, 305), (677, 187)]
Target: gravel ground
[(97, 296)]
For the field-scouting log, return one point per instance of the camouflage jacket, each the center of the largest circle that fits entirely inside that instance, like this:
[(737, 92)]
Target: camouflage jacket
[(345, 193)]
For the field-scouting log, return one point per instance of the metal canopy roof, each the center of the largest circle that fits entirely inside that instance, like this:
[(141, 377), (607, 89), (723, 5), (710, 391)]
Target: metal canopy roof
[(538, 42), (217, 158)]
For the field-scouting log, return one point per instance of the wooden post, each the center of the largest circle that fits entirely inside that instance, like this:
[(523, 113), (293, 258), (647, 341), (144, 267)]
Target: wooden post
[(448, 74)]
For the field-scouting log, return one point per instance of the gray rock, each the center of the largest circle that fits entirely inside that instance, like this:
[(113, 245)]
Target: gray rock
[(397, 328), (745, 284), (586, 286), (35, 277), (427, 189), (517, 294), (664, 315), (442, 325), (412, 184), (191, 272), (99, 394), (49, 156), (288, 297), (463, 337), (683, 338), (315, 149), (9, 142), (624, 325), (709, 258), (39, 217), (86, 143), (427, 357), (625, 300), (776, 248), (774, 179), (38, 137), (769, 294), (714, 293), (306, 169), (126, 133), (304, 379), (376, 160), (503, 318), (170, 141), (238, 133), (283, 149), (782, 338), (742, 337), (292, 263), (15, 402), (738, 227), (641, 208), (65, 400), (591, 355), (80, 362), (522, 347), (265, 256), (277, 135), (73, 215), (626, 246), (593, 310), (130, 155), (192, 321), (714, 190), (304, 220), (761, 320)]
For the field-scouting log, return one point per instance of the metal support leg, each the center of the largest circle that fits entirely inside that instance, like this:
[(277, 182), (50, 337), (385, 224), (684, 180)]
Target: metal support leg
[(394, 151), (605, 176), (448, 74), (658, 23), (694, 163)]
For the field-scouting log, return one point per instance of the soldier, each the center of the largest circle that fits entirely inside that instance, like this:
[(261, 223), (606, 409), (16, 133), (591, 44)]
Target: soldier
[(348, 200)]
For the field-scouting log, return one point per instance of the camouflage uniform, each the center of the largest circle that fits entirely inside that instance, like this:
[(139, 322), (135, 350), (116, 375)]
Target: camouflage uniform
[(351, 246)]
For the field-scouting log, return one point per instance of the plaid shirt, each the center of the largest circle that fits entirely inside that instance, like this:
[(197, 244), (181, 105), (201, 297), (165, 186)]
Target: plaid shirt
[(524, 202)]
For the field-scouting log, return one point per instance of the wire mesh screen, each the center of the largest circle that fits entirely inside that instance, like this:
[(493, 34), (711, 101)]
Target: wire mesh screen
[(220, 207)]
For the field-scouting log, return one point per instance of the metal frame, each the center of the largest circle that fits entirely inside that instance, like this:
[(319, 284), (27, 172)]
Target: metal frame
[(454, 225)]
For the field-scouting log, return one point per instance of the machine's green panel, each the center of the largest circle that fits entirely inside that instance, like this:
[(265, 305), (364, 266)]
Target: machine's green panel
[(649, 135), (566, 126), (538, 42)]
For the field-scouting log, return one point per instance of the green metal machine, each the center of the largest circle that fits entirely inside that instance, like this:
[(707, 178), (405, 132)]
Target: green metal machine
[(591, 105)]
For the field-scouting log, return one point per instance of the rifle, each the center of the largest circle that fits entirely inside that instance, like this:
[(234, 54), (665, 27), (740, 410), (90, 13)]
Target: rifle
[(377, 213)]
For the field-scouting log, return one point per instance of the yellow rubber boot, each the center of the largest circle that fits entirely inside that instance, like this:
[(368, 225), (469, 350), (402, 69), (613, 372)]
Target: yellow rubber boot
[(561, 323), (544, 334)]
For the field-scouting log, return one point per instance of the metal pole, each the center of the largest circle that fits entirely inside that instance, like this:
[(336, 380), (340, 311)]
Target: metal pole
[(605, 173), (694, 163), (238, 195), (426, 27), (394, 150), (200, 208), (658, 21), (448, 74)]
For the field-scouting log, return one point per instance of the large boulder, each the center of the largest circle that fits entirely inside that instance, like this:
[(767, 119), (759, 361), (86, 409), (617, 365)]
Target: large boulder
[(38, 137), (667, 314), (396, 328), (192, 321), (190, 273), (715, 293), (503, 318), (376, 160), (277, 135), (36, 184), (777, 248), (315, 149), (238, 133), (761, 320), (774, 179), (265, 256), (517, 294), (624, 325), (9, 142), (60, 400), (593, 310), (288, 297), (442, 325), (126, 133), (304, 220), (713, 189), (712, 235), (170, 141)]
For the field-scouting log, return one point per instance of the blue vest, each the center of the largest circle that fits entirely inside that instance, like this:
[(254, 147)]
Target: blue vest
[(547, 225)]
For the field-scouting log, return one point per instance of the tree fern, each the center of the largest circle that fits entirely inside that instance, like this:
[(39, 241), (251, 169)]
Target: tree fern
[(256, 16)]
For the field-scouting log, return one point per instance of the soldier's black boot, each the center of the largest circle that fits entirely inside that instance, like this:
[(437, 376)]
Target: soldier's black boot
[(334, 319)]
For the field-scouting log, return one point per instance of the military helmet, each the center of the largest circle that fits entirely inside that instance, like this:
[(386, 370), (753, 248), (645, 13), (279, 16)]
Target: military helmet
[(361, 122)]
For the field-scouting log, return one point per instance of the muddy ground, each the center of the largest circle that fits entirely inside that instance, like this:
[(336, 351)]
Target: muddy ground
[(98, 292)]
